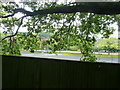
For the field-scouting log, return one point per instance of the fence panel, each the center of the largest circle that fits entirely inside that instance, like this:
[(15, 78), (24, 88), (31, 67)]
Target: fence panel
[(29, 72)]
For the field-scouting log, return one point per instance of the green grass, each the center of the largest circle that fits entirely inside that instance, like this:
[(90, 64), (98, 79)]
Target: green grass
[(106, 55), (79, 54)]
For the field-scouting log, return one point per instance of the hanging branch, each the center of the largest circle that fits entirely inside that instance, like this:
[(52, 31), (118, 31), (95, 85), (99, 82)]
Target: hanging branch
[(16, 30)]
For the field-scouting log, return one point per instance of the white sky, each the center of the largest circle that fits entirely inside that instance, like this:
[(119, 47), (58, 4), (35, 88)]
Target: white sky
[(115, 34)]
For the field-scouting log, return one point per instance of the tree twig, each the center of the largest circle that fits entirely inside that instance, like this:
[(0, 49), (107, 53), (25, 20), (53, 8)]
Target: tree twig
[(7, 16)]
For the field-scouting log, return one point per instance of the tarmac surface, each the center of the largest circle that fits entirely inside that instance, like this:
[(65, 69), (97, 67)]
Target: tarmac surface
[(69, 57)]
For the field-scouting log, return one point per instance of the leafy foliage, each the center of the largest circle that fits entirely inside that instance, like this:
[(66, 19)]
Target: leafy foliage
[(108, 44), (68, 30), (10, 46), (29, 41)]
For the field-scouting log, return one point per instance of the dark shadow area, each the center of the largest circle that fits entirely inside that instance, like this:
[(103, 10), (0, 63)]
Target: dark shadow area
[(30, 72)]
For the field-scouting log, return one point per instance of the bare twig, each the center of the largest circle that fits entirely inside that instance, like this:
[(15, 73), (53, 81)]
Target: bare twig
[(35, 23)]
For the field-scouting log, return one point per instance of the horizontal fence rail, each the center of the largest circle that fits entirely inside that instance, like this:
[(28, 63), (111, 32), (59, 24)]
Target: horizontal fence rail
[(29, 72)]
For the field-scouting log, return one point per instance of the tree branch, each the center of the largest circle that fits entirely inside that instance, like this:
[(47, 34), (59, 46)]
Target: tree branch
[(106, 8), (7, 16), (28, 13), (97, 8), (16, 30)]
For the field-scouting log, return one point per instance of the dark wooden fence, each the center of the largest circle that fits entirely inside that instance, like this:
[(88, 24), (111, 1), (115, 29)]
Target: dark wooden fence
[(28, 72)]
